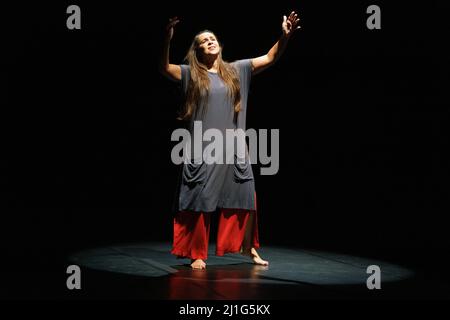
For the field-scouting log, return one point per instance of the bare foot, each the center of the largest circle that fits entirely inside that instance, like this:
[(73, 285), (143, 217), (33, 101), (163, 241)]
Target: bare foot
[(255, 257), (198, 264)]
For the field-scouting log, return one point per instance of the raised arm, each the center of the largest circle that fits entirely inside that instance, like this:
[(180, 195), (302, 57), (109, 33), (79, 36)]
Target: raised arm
[(171, 71), (288, 26)]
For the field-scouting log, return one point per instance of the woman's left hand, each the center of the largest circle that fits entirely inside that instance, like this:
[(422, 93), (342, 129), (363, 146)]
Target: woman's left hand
[(290, 24)]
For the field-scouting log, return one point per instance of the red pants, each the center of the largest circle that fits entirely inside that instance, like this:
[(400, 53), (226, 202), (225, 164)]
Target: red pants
[(191, 233)]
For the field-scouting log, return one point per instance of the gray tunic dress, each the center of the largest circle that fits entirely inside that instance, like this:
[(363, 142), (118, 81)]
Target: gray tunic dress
[(205, 187)]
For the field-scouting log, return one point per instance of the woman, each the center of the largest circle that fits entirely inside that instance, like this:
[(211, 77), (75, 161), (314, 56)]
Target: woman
[(216, 96)]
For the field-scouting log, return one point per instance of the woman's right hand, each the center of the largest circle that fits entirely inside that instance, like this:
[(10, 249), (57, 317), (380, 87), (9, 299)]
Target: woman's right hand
[(170, 27)]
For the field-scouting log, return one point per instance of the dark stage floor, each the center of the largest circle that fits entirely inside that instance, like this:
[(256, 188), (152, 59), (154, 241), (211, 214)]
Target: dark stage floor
[(149, 271)]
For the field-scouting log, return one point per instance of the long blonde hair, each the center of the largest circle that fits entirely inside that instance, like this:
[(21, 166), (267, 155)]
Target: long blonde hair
[(198, 86)]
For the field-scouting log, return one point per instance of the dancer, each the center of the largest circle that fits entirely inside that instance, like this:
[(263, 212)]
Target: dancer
[(216, 93)]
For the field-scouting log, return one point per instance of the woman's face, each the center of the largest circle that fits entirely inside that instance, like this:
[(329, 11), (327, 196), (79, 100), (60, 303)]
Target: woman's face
[(208, 44)]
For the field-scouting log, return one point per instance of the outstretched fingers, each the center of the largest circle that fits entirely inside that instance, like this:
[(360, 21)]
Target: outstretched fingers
[(291, 16), (293, 21)]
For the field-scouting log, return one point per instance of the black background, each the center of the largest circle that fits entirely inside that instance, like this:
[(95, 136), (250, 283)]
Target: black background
[(86, 121)]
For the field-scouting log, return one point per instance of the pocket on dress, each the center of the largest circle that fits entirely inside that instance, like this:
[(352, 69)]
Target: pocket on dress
[(242, 170), (194, 173)]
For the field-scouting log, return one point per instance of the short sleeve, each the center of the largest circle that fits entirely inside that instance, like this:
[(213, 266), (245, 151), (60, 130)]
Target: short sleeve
[(244, 68), (185, 75)]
